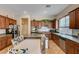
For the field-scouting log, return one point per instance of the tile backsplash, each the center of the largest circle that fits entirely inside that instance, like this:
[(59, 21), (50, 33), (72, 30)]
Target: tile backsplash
[(2, 31)]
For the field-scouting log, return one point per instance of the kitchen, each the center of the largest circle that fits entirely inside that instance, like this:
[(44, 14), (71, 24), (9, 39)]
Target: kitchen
[(62, 28)]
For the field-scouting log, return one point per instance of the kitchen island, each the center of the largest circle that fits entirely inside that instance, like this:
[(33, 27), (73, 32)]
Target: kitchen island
[(35, 43)]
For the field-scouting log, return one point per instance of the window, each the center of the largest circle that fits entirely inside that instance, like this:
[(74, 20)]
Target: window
[(67, 21), (62, 22), (64, 26)]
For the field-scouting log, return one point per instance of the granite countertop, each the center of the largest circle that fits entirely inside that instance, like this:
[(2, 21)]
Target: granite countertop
[(3, 35), (67, 37), (34, 36)]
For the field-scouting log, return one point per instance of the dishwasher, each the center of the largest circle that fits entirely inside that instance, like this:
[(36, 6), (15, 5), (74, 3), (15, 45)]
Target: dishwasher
[(62, 44)]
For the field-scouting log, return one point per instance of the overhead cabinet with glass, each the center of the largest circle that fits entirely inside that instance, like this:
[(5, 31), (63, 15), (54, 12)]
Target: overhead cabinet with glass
[(74, 19)]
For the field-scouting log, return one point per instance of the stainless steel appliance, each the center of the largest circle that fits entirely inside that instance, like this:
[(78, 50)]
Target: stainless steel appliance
[(13, 29)]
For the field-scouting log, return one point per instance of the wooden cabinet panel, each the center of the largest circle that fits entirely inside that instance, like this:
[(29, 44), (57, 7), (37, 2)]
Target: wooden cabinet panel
[(77, 18), (9, 38), (2, 22), (70, 50), (0, 45), (12, 21), (3, 42), (55, 38), (72, 47), (54, 24), (72, 19), (7, 22)]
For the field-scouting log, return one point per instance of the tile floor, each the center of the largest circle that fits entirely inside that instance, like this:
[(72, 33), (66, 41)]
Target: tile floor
[(53, 49)]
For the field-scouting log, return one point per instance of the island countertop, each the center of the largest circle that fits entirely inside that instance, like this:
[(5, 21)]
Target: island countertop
[(34, 36)]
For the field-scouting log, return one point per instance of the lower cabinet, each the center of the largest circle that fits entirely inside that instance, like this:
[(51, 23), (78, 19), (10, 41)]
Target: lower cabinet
[(77, 50), (55, 39), (5, 41), (72, 47), (68, 46), (9, 40)]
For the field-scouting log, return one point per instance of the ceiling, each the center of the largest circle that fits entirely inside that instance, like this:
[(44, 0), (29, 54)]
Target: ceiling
[(36, 11)]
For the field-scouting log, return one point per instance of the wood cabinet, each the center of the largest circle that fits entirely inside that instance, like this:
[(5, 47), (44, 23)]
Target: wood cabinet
[(72, 47), (2, 42), (54, 24), (55, 38), (69, 46), (12, 21), (7, 22), (36, 23), (9, 38), (5, 41), (74, 19), (2, 22)]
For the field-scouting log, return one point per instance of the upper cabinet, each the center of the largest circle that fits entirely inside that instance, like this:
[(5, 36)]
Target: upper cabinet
[(5, 22), (74, 19), (12, 21), (2, 22), (54, 23)]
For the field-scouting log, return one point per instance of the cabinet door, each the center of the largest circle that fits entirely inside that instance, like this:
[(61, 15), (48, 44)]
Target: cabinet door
[(9, 40), (70, 47), (2, 22), (77, 19), (0, 45), (3, 42), (72, 20), (54, 23), (7, 22), (70, 50)]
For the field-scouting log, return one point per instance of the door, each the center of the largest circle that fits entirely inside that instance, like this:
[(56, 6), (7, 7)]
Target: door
[(25, 27)]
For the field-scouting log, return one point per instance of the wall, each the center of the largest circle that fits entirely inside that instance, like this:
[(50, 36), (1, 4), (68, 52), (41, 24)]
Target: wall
[(65, 12)]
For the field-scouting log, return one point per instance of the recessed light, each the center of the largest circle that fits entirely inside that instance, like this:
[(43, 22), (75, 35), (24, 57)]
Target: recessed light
[(25, 12), (48, 6)]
